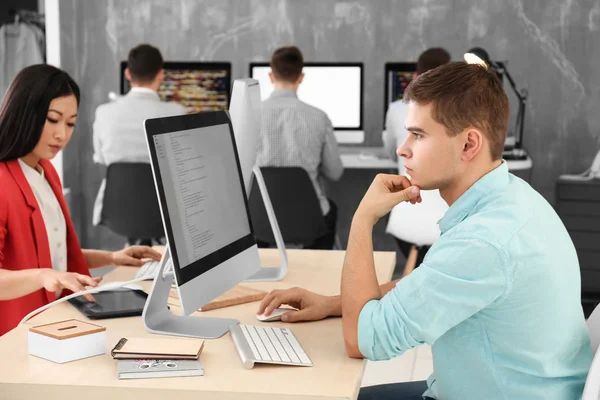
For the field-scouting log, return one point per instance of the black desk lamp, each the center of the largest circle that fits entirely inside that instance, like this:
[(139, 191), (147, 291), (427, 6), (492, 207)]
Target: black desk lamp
[(477, 55)]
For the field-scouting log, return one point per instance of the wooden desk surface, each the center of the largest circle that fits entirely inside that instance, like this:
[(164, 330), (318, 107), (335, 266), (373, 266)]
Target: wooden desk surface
[(334, 375)]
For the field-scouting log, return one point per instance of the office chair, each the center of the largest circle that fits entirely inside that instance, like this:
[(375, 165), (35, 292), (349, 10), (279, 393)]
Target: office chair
[(417, 224), (295, 204), (130, 207), (591, 390)]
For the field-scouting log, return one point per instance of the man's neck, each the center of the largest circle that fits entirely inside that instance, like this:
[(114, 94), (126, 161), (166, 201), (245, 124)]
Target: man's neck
[(454, 190), (152, 86), (285, 86)]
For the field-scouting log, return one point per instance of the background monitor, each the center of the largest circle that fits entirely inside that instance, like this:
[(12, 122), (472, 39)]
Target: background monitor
[(203, 204), (335, 88), (397, 78), (198, 86), (245, 111)]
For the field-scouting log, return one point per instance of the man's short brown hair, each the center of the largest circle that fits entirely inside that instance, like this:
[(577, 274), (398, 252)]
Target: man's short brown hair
[(144, 63), (432, 58), (463, 96), (287, 63)]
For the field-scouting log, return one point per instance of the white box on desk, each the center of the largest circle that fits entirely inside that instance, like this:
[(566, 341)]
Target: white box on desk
[(66, 341)]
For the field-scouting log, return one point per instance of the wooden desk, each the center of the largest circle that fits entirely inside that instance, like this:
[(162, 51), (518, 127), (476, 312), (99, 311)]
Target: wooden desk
[(334, 375)]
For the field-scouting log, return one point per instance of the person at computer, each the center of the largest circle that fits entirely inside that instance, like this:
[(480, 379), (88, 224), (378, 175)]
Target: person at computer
[(498, 295), (40, 256), (295, 134), (118, 130), (393, 136)]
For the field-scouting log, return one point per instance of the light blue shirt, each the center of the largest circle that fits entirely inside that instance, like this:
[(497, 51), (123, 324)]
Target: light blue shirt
[(497, 297)]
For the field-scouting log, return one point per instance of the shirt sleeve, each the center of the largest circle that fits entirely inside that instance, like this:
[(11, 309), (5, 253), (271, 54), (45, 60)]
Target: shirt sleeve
[(390, 142), (457, 279), (331, 160), (97, 141)]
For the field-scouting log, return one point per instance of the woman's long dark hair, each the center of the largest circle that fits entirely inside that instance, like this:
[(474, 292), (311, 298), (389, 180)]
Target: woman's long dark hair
[(25, 107)]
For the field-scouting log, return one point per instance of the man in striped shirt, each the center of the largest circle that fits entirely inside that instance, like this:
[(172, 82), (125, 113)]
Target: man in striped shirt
[(295, 134)]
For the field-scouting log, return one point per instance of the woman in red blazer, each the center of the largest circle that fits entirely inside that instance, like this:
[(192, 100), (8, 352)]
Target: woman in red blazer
[(39, 251)]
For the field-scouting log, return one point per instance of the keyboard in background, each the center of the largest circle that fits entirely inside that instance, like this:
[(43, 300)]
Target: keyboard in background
[(271, 345), (150, 269)]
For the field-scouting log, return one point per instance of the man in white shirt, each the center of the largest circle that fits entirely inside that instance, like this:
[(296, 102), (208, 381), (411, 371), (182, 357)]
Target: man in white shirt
[(433, 208), (118, 127)]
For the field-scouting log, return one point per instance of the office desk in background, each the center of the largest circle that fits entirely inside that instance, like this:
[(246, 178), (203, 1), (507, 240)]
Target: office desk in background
[(334, 375), (361, 165)]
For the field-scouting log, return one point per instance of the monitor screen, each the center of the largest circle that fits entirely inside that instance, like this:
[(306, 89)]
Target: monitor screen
[(397, 78), (201, 190), (199, 87), (335, 88)]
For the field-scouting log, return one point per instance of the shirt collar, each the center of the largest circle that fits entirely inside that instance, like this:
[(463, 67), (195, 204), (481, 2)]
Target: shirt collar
[(143, 90), (462, 207), (284, 93), (32, 173)]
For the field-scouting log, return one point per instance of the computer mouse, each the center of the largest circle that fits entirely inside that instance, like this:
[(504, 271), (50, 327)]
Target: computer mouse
[(275, 315)]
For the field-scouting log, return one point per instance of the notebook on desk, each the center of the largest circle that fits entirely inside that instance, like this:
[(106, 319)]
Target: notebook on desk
[(158, 348)]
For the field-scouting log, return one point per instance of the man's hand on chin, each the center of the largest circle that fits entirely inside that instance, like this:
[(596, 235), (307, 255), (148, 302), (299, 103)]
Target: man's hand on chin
[(385, 192)]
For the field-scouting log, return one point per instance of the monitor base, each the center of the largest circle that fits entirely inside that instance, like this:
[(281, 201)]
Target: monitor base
[(158, 319), (268, 274), (277, 273)]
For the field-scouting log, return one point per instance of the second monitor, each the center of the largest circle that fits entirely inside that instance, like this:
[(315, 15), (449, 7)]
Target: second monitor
[(198, 86), (335, 88)]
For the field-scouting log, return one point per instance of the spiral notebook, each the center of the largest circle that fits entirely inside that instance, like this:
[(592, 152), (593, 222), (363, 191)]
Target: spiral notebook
[(158, 348)]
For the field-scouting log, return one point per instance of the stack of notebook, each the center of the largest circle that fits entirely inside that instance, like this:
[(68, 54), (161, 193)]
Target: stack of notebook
[(158, 357)]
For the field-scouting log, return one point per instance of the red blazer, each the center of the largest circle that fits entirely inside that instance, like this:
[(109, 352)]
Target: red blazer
[(23, 238)]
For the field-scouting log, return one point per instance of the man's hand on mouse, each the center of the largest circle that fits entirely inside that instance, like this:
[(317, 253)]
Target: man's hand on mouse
[(311, 306)]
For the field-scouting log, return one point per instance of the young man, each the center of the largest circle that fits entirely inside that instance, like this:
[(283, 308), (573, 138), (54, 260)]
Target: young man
[(119, 125), (394, 135), (295, 134), (497, 296)]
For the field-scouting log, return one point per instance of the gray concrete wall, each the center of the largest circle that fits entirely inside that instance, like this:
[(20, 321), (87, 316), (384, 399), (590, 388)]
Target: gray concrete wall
[(552, 48)]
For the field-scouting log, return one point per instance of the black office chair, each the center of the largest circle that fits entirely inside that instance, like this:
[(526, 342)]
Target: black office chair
[(130, 207), (295, 204)]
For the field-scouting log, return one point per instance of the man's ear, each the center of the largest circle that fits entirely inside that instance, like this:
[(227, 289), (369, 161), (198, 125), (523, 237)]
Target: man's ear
[(473, 144), (161, 75), (128, 74), (272, 77), (300, 78)]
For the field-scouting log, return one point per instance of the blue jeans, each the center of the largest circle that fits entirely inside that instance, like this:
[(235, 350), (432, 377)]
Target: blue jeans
[(394, 391)]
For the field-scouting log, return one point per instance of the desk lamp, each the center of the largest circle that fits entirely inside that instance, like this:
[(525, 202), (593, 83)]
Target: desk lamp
[(479, 56)]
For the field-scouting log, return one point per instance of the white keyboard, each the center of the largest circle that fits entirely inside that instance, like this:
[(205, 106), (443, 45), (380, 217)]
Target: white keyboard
[(271, 345), (150, 269)]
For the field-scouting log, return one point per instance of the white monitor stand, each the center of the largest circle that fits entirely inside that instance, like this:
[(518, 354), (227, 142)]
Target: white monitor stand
[(274, 273), (160, 320)]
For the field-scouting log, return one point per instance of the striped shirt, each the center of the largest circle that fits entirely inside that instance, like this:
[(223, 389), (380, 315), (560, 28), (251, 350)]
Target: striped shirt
[(295, 134)]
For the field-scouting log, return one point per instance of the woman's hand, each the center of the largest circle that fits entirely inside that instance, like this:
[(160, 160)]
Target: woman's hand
[(53, 281), (134, 255)]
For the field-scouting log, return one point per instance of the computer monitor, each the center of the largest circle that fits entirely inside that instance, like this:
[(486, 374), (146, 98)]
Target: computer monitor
[(198, 86), (205, 213), (397, 78), (245, 114), (245, 111), (336, 88)]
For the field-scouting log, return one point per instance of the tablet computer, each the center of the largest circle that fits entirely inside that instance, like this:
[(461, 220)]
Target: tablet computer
[(112, 304)]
